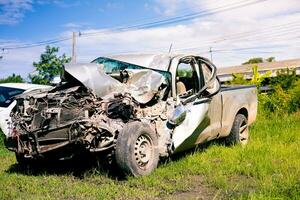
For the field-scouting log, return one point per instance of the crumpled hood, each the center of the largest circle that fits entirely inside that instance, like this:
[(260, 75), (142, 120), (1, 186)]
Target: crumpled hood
[(143, 84), (93, 77)]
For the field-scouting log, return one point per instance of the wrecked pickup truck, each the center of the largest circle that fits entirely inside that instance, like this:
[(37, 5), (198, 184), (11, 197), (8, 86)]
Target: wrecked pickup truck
[(135, 109)]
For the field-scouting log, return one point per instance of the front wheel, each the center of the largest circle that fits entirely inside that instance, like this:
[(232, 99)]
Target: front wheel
[(22, 161), (136, 149), (239, 133)]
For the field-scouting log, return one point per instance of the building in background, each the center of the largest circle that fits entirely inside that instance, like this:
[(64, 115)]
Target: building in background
[(225, 73)]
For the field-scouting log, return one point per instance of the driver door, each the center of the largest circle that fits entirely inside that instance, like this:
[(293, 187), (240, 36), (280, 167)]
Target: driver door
[(196, 121), (215, 107)]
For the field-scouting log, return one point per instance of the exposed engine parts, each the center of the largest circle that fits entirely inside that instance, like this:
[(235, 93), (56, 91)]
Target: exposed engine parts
[(75, 116)]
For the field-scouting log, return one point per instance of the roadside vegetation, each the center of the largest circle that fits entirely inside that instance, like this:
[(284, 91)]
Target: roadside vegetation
[(267, 168), (284, 90), (12, 79), (259, 60)]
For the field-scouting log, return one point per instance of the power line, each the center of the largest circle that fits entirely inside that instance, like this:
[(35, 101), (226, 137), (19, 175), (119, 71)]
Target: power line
[(120, 29), (202, 13), (57, 40), (181, 18), (23, 46), (269, 31), (145, 20), (272, 32), (147, 25), (152, 24)]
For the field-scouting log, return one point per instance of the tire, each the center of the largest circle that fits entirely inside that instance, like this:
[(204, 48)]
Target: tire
[(22, 161), (136, 149), (239, 133)]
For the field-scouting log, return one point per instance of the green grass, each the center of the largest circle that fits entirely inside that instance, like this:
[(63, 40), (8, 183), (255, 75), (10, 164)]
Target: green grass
[(267, 168)]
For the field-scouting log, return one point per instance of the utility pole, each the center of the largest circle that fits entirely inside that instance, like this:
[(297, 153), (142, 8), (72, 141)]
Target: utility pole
[(1, 56), (73, 48), (211, 56), (170, 48)]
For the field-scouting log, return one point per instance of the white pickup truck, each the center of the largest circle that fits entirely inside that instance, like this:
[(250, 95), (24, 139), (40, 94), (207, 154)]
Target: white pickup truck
[(135, 109)]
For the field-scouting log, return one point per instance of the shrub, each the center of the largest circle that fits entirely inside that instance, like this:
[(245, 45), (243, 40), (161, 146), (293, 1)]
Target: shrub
[(295, 97), (279, 101), (258, 78), (238, 79), (12, 79), (282, 100), (286, 79), (285, 96)]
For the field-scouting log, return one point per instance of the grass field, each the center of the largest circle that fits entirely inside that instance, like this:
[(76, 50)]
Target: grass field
[(267, 168)]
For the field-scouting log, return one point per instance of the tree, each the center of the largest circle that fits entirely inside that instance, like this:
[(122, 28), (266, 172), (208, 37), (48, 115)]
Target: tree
[(270, 59), (49, 66), (12, 79), (254, 61), (259, 60)]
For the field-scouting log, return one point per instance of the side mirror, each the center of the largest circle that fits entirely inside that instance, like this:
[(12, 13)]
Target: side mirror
[(178, 115)]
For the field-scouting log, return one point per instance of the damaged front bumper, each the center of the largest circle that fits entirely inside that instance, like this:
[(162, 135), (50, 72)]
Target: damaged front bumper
[(87, 114)]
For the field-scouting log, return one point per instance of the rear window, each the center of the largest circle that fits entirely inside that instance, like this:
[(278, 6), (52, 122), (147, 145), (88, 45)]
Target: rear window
[(7, 94)]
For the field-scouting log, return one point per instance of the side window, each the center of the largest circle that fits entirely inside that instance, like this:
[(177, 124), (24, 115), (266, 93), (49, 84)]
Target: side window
[(186, 77), (207, 73), (184, 70), (206, 76)]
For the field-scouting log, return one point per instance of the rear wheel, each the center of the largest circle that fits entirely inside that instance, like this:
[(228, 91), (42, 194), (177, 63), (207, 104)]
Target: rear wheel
[(239, 133), (136, 149)]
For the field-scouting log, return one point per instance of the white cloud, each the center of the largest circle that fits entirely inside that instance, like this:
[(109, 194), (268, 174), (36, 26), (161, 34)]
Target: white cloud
[(12, 11), (168, 7), (18, 61), (60, 3), (72, 25), (218, 31), (257, 10), (222, 28)]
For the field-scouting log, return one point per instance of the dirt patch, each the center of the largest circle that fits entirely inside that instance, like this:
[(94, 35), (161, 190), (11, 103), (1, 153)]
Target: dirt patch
[(198, 190), (241, 185)]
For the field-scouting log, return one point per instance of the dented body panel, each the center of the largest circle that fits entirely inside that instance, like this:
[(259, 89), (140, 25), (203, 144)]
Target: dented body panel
[(245, 101), (98, 99)]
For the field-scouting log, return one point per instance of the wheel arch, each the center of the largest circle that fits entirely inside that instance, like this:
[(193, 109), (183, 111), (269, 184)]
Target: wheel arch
[(243, 111), (229, 119)]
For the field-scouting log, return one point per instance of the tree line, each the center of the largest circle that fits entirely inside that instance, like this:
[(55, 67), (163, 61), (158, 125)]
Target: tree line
[(49, 65)]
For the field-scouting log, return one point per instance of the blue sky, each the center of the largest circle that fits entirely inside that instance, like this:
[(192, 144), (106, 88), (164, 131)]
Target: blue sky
[(45, 19), (266, 28)]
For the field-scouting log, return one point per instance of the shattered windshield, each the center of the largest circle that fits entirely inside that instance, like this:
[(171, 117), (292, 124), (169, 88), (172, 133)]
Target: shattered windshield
[(6, 95), (112, 66)]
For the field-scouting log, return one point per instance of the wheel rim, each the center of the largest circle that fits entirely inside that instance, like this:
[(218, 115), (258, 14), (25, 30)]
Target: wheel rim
[(243, 131), (143, 151)]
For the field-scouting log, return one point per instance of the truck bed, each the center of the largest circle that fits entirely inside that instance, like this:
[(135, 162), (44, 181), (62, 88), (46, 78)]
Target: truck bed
[(235, 87), (237, 99)]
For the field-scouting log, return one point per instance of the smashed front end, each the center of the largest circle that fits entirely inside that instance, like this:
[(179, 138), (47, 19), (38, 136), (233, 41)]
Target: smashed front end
[(70, 117), (86, 113)]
